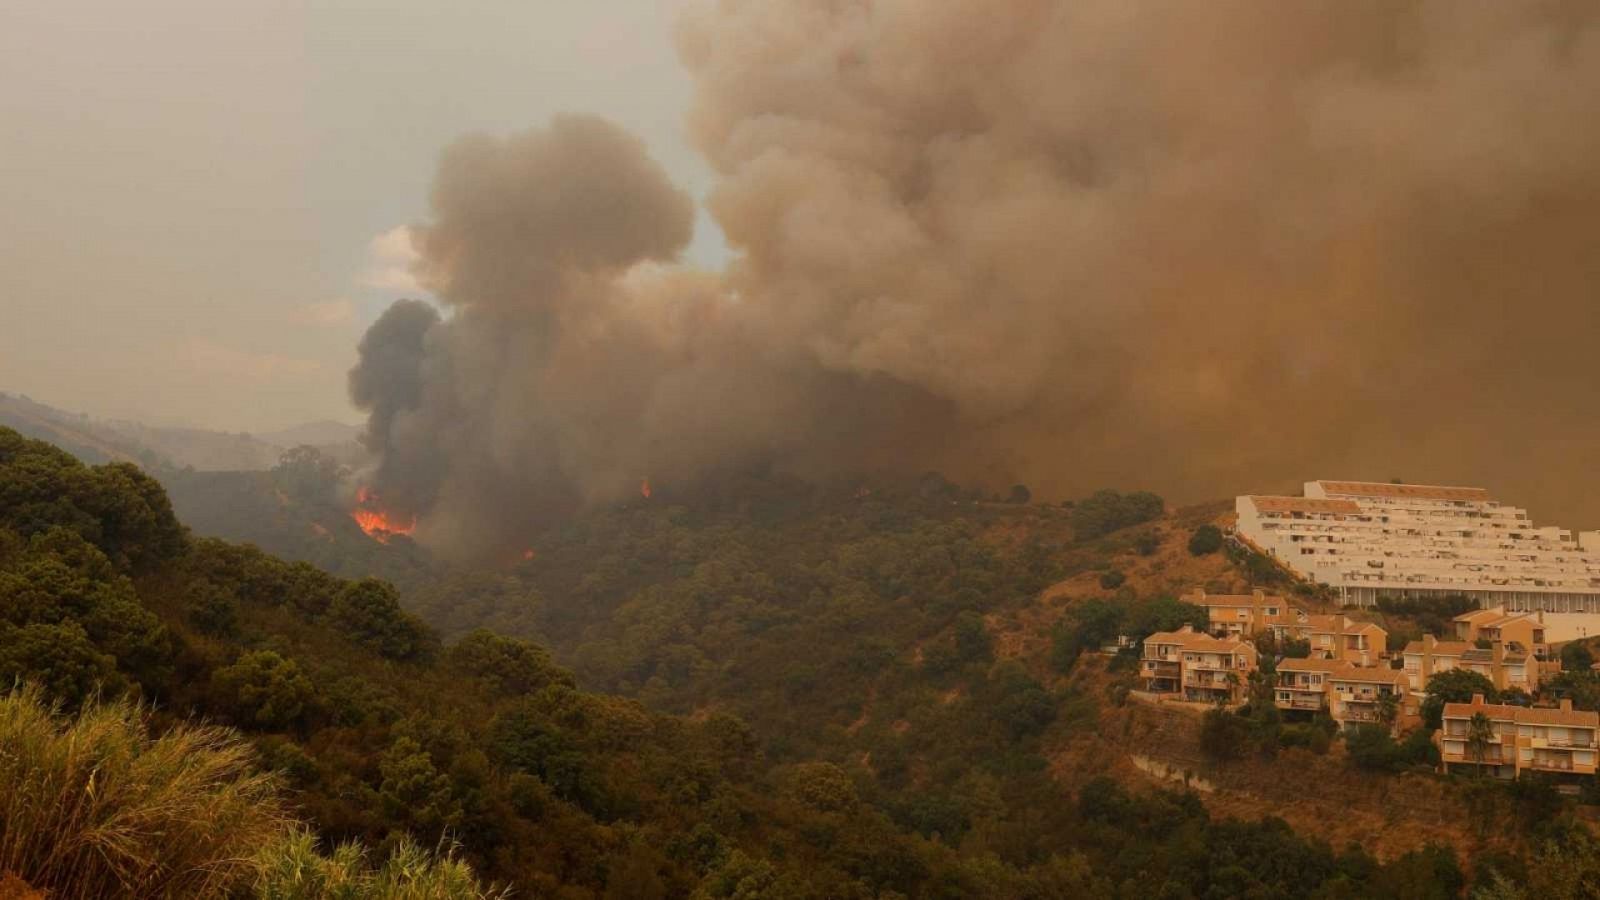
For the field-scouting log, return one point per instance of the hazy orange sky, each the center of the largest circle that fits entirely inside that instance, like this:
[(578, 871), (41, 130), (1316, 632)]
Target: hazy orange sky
[(196, 193)]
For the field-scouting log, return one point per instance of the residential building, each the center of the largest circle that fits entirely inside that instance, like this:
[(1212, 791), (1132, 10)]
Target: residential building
[(1343, 638), (1244, 615), (1303, 684), (1351, 695), (1357, 696), (1370, 540), (1330, 636), (1507, 664), (1517, 739), (1197, 666), (1495, 625)]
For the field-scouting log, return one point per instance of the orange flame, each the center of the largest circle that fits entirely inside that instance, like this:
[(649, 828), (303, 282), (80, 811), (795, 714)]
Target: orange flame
[(375, 521), (644, 488)]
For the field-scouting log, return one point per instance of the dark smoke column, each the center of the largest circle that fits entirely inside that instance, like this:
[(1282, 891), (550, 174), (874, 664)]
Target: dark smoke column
[(502, 414)]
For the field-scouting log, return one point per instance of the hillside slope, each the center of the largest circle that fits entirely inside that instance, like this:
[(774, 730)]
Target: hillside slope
[(852, 730)]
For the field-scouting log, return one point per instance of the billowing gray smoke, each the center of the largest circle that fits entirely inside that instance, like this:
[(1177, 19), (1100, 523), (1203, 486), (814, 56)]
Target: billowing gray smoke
[(1195, 247)]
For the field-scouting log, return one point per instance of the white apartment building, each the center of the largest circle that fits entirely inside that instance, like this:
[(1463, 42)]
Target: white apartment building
[(1371, 540)]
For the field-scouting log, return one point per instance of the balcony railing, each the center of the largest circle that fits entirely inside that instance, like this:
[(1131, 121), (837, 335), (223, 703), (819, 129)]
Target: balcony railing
[(1580, 745), (1489, 759), (1551, 763)]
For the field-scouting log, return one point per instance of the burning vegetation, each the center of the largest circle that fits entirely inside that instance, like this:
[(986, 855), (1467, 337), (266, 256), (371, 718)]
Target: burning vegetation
[(378, 523)]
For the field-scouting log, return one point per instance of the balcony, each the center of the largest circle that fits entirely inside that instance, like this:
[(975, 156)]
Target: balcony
[(1576, 745), (1490, 758), (1551, 763)]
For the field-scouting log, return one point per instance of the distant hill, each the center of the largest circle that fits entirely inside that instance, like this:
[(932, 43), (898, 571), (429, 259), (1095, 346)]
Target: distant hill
[(97, 441), (321, 433)]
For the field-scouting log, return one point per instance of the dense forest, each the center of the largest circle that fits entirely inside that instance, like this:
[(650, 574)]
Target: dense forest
[(772, 689)]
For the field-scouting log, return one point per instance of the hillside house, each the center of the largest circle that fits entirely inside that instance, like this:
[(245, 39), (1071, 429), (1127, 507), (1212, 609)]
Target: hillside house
[(1559, 741), (1197, 666)]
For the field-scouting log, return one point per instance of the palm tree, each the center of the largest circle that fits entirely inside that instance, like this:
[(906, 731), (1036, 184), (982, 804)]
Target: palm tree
[(1388, 709), (1480, 737)]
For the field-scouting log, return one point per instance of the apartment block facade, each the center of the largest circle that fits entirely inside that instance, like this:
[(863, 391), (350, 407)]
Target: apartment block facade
[(1370, 539), (1244, 615), (1330, 636), (1351, 695), (1506, 664), (1513, 740), (1196, 666)]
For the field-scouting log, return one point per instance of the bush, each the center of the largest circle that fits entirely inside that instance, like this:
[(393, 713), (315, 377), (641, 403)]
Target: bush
[(59, 659), (1223, 734), (1370, 747), (1207, 539), (1575, 657), (1146, 543), (264, 690), (1112, 580), (368, 612), (1106, 511), (1305, 735), (94, 807)]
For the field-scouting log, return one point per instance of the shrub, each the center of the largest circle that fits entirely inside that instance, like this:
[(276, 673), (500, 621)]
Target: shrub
[(368, 612), (93, 807), (1207, 539), (1575, 657), (1106, 511), (1371, 748), (1112, 580), (1223, 734), (1146, 543), (507, 666), (59, 659), (264, 690)]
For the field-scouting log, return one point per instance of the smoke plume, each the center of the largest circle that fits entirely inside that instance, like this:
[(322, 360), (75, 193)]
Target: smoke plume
[(1201, 248)]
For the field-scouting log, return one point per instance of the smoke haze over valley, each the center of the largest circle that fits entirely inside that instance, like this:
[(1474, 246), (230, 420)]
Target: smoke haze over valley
[(1202, 249)]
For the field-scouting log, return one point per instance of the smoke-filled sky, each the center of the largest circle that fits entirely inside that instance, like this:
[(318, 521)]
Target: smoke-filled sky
[(192, 192), (1195, 247)]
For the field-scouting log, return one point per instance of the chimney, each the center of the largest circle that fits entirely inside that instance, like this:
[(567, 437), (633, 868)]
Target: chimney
[(1477, 700), (1566, 704)]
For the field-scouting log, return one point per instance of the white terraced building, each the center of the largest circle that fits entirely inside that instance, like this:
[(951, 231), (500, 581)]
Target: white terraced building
[(1374, 540)]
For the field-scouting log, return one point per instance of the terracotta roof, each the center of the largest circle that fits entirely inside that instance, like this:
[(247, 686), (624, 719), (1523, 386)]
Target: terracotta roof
[(1303, 504), (1417, 491), (1230, 600), (1309, 665), (1523, 715), (1480, 615), (1371, 674), (1341, 624), (1202, 643), (1502, 621)]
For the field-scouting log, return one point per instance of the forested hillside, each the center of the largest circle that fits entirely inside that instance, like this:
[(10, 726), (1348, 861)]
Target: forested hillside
[(778, 690)]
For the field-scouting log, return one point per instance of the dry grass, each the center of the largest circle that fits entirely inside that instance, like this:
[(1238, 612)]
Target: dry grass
[(92, 806), (295, 870)]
